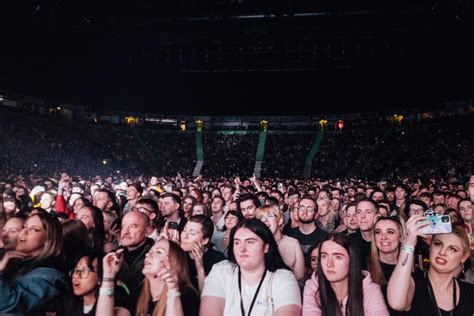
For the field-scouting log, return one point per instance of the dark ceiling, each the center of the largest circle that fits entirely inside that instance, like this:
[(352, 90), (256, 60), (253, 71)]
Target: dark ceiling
[(238, 56)]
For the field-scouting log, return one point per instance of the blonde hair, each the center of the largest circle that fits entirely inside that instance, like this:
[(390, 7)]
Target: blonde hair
[(54, 237), (460, 232), (272, 209), (373, 264), (179, 265)]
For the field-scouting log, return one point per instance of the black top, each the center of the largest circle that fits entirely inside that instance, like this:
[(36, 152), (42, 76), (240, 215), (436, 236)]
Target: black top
[(209, 258), (131, 257), (131, 272), (423, 305), (387, 270), (422, 255), (189, 302), (306, 241), (362, 246), (72, 305)]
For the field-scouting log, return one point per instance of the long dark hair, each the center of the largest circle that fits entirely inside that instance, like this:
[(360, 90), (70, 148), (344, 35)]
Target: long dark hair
[(273, 260), (76, 241), (327, 298), (237, 214), (98, 233)]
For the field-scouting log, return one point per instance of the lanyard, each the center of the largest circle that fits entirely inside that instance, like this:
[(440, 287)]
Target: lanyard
[(433, 298), (255, 295)]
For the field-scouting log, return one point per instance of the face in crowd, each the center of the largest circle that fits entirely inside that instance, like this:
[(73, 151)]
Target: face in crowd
[(217, 205), (465, 209), (387, 236), (198, 209), (168, 206), (47, 201), (447, 253), (248, 208), (11, 232), (188, 205), (135, 229), (334, 261), (270, 218), (101, 201), (314, 259), (307, 211), (32, 237), (85, 276), (156, 258), (351, 218), (85, 215), (230, 221), (323, 206), (249, 249), (191, 235), (366, 213), (400, 193)]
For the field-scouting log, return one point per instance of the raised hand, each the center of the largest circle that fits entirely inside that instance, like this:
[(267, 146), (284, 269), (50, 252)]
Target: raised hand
[(197, 253), (11, 255), (168, 276), (414, 223), (111, 263), (170, 234)]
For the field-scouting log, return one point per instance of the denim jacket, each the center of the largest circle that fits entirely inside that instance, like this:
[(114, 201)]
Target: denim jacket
[(30, 293)]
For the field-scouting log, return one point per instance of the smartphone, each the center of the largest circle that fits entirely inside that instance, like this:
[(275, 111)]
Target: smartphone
[(172, 225), (116, 224), (439, 224)]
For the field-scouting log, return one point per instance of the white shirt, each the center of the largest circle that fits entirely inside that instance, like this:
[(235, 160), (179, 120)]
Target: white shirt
[(278, 289)]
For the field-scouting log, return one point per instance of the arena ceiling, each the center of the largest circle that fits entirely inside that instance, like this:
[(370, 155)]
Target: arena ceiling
[(239, 56)]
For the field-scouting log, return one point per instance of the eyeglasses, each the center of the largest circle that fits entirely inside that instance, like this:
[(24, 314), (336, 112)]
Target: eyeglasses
[(309, 209), (82, 273), (141, 209), (265, 218), (415, 211)]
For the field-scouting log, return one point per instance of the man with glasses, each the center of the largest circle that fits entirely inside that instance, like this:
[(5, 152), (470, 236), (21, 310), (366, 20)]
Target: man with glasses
[(307, 233), (149, 207)]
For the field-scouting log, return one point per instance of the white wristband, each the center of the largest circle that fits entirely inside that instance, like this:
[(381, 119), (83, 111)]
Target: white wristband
[(173, 294), (106, 291)]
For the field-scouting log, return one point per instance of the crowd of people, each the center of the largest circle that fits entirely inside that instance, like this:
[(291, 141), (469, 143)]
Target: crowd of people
[(285, 153), (151, 245), (229, 154), (420, 150)]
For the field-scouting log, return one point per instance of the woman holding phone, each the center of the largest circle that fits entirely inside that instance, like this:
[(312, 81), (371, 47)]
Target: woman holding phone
[(436, 291)]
